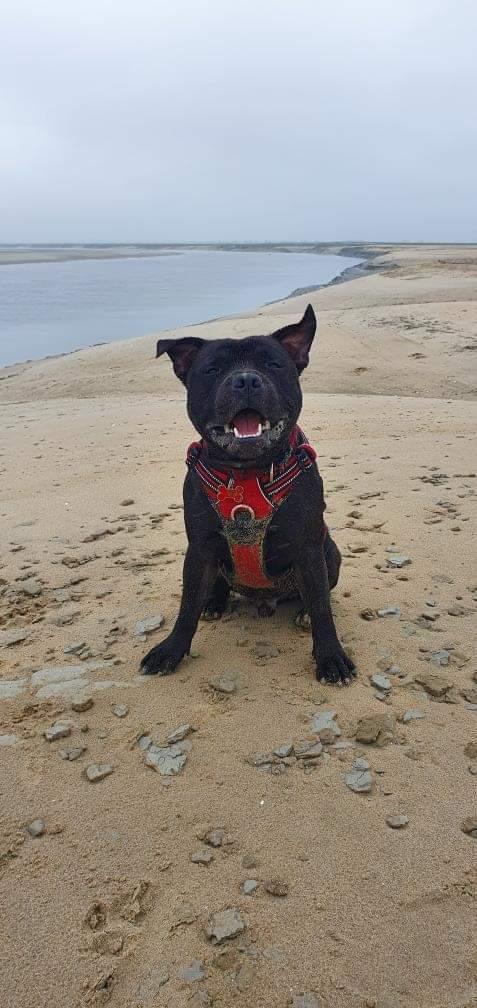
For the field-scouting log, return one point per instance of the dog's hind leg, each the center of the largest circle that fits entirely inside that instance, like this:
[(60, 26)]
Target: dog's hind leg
[(218, 600)]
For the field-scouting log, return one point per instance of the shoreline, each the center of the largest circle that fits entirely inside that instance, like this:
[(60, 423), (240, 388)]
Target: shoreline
[(345, 275)]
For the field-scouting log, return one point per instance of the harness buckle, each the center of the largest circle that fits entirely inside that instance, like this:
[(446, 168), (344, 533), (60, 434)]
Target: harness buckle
[(245, 509)]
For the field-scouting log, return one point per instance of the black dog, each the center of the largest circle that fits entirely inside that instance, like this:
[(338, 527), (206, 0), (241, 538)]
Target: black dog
[(253, 496)]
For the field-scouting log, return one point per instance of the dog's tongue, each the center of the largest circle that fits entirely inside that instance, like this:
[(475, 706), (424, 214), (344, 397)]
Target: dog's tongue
[(247, 423)]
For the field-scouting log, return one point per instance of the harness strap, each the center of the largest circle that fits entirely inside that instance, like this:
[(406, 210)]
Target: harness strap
[(245, 501)]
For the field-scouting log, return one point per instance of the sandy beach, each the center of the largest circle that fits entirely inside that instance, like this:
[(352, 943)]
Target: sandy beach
[(113, 900)]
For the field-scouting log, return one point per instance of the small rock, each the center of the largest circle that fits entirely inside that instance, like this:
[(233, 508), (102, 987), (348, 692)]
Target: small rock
[(127, 502), (325, 721), (389, 611), (375, 728), (75, 647), (359, 778), (412, 715), (284, 750), (276, 887), (148, 625), (58, 730), (36, 828), (249, 861), (398, 560), (434, 683), (264, 649), (226, 683), (98, 771), (224, 924), (167, 760), (381, 682), (307, 750), (469, 826), (203, 856), (397, 821), (72, 753), (120, 710), (81, 703), (215, 837), (180, 733), (368, 614), (470, 750), (249, 886)]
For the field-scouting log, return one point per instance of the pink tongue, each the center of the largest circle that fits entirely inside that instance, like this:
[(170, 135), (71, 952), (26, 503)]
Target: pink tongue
[(247, 422)]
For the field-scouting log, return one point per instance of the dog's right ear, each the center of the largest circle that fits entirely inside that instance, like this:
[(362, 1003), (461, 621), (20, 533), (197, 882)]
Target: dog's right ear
[(182, 353)]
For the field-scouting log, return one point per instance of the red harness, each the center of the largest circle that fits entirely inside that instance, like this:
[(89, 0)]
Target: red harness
[(245, 501)]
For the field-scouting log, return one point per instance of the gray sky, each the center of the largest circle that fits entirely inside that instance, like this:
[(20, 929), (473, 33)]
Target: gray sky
[(183, 120)]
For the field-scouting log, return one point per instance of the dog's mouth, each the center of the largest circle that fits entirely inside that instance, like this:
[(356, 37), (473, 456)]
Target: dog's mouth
[(248, 429), (247, 424)]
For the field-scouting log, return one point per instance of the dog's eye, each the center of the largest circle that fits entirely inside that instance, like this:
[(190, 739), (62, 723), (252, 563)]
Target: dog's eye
[(211, 370), (273, 363)]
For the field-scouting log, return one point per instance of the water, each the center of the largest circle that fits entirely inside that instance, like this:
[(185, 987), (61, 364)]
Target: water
[(52, 308)]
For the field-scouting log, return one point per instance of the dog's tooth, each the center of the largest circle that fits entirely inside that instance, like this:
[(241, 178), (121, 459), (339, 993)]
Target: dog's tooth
[(266, 425), (259, 430), (227, 428)]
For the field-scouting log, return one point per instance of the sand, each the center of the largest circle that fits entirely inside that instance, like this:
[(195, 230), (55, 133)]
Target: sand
[(373, 916)]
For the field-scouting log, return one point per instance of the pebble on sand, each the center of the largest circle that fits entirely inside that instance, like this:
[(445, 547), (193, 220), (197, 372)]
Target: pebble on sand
[(226, 683), (224, 924), (98, 771), (203, 856), (397, 822), (148, 625), (58, 730), (167, 760), (375, 728), (359, 778), (36, 828)]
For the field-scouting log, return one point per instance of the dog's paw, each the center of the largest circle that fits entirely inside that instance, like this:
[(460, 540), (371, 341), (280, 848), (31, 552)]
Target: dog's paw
[(335, 667), (303, 621), (163, 658), (212, 612)]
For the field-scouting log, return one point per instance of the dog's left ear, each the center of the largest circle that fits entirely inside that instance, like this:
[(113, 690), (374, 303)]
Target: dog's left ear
[(182, 353), (297, 339)]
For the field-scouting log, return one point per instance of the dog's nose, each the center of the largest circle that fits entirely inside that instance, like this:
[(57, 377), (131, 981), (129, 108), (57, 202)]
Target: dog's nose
[(246, 381)]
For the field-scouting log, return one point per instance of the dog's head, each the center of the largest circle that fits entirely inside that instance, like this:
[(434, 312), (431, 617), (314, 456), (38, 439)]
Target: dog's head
[(244, 396)]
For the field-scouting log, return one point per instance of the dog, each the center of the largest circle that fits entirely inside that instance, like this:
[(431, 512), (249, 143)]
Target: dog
[(253, 496)]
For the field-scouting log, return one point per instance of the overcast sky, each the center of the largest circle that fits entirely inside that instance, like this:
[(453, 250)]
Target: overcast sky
[(195, 120)]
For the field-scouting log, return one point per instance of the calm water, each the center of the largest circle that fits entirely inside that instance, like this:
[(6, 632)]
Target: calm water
[(51, 308)]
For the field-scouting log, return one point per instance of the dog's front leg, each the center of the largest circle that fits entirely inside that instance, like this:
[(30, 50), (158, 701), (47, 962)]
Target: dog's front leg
[(332, 663), (199, 575)]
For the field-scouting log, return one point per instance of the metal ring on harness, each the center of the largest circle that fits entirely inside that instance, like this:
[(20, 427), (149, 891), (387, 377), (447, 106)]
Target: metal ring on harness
[(242, 507)]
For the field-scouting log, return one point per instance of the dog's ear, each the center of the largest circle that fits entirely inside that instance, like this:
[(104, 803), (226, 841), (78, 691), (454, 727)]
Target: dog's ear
[(182, 353), (297, 339)]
